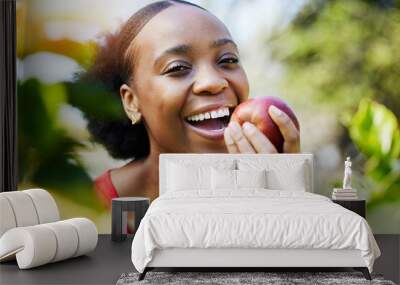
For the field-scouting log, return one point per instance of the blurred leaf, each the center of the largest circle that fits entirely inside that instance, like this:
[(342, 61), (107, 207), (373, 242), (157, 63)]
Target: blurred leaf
[(46, 154), (374, 129), (54, 96), (34, 121), (69, 178), (94, 99)]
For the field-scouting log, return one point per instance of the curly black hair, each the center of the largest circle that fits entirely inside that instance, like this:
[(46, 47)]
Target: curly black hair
[(111, 69)]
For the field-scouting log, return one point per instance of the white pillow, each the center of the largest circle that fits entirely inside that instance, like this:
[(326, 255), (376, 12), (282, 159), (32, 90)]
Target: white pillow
[(181, 178), (293, 180), (193, 175), (282, 174), (251, 178), (223, 179), (226, 179)]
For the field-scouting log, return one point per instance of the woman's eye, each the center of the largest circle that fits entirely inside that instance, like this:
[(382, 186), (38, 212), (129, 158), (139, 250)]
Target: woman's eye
[(229, 60), (176, 68)]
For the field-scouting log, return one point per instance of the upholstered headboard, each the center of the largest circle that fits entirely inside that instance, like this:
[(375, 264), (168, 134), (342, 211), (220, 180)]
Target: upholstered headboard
[(247, 160)]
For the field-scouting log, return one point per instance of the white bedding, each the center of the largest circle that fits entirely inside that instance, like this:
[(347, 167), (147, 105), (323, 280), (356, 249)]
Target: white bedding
[(251, 218)]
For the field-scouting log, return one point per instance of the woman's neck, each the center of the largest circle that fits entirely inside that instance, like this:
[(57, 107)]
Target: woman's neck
[(139, 177), (151, 166)]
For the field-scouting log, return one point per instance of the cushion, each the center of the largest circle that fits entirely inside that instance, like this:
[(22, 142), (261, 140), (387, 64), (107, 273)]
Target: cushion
[(23, 208), (40, 244), (26, 208), (293, 180), (186, 175), (7, 220), (182, 177), (45, 205), (226, 179), (291, 175), (87, 233), (251, 178), (67, 237), (32, 246), (223, 179)]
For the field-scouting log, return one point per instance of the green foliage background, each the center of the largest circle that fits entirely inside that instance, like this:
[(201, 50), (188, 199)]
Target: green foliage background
[(340, 60), (343, 56), (338, 52)]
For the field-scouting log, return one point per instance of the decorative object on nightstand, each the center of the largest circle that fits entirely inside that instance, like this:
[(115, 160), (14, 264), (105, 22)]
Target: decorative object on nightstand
[(347, 192), (120, 209), (355, 205)]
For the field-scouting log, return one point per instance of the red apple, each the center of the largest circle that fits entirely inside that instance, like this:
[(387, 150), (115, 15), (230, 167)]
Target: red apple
[(255, 111)]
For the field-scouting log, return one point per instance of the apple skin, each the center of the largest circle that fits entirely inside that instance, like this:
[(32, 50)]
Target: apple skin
[(255, 111)]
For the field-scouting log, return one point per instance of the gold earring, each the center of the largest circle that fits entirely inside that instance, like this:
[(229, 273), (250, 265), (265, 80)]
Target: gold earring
[(135, 118)]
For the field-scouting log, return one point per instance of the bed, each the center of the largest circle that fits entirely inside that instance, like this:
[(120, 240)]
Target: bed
[(246, 211)]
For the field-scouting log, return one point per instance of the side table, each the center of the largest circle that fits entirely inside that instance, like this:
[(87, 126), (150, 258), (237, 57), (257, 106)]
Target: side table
[(356, 205), (120, 208)]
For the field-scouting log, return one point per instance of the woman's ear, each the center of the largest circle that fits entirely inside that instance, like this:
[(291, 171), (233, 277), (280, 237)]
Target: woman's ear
[(130, 101)]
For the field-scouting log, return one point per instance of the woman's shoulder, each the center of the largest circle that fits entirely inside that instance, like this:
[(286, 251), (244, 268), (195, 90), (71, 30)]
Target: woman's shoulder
[(128, 178), (104, 188), (119, 182)]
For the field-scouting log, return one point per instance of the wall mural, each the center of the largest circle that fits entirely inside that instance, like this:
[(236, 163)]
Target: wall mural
[(99, 97)]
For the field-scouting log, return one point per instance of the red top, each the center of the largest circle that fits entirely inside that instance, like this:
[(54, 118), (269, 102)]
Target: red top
[(105, 189)]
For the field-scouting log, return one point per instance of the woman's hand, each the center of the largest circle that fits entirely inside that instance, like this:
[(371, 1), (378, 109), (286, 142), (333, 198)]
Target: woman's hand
[(249, 139)]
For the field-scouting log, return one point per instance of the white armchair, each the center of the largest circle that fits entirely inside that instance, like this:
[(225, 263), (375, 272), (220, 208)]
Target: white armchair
[(31, 232)]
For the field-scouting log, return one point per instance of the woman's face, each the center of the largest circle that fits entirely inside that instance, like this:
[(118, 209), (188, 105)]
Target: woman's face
[(187, 76)]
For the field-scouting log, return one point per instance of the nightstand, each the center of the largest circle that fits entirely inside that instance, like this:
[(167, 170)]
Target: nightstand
[(357, 205), (120, 208)]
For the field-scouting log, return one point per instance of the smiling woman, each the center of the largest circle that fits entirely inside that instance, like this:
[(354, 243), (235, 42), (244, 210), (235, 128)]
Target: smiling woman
[(178, 74)]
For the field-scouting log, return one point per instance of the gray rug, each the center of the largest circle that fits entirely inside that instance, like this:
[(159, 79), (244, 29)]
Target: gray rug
[(231, 278)]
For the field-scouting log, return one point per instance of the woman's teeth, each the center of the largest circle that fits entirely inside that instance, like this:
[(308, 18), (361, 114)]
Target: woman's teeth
[(221, 112)]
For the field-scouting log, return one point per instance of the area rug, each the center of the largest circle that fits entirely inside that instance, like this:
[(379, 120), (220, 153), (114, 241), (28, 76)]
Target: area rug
[(231, 278)]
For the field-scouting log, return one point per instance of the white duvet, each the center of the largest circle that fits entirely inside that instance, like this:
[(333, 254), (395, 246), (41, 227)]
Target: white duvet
[(254, 218)]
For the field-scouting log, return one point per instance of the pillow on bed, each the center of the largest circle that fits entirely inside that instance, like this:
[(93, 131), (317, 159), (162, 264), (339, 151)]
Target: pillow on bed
[(226, 179), (294, 180), (187, 175), (281, 175), (223, 179), (182, 178), (251, 178)]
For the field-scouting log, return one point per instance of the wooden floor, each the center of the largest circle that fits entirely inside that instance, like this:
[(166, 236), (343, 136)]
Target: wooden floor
[(111, 259)]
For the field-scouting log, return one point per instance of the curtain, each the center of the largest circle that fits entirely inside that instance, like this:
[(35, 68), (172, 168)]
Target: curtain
[(8, 99)]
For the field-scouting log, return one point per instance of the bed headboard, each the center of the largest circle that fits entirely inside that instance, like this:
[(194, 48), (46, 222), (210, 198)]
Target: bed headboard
[(213, 158)]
